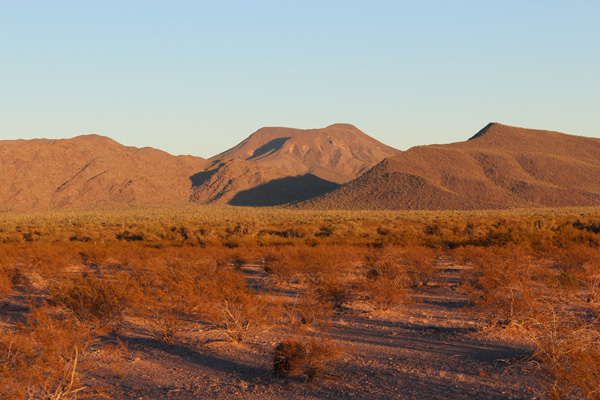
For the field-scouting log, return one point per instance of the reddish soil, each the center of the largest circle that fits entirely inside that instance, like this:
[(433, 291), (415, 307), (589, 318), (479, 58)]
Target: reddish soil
[(430, 348)]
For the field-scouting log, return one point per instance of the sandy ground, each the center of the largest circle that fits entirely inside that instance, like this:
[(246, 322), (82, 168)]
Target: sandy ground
[(428, 349)]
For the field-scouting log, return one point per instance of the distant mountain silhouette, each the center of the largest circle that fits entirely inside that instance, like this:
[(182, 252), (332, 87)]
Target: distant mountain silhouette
[(337, 153), (278, 165), (90, 171), (499, 167), (95, 171)]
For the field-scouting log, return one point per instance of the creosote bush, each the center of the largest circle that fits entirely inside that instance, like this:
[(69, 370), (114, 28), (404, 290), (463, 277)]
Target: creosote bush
[(93, 300), (385, 282), (505, 286), (569, 353), (309, 310), (44, 357), (289, 357), (312, 358)]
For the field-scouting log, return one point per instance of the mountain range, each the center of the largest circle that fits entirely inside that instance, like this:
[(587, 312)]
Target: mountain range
[(500, 167), (337, 167)]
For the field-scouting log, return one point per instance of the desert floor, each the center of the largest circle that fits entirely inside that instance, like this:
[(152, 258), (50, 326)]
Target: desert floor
[(429, 348)]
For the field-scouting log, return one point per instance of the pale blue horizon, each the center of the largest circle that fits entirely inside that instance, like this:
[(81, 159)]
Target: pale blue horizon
[(198, 77)]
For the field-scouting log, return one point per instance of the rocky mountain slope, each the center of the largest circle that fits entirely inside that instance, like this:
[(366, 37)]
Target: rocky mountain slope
[(90, 171), (274, 166), (499, 167), (337, 153)]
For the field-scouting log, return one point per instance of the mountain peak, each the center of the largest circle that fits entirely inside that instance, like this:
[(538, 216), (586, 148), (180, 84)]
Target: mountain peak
[(342, 126), (486, 129), (500, 167), (337, 153), (94, 138)]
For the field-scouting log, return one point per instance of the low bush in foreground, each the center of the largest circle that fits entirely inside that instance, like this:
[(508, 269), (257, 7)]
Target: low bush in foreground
[(312, 358)]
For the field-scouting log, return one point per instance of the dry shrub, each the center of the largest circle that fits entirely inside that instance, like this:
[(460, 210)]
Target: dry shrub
[(171, 294), (6, 283), (569, 352), (43, 357), (589, 276), (289, 357), (93, 300), (419, 262), (243, 313), (579, 268), (308, 310), (505, 285), (330, 274), (333, 290), (233, 307), (165, 323), (281, 266), (164, 311), (294, 357), (383, 293), (385, 280), (238, 259), (317, 263)]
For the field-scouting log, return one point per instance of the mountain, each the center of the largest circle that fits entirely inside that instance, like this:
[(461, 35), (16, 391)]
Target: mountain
[(274, 166), (243, 183), (90, 171), (271, 167), (500, 167), (337, 153)]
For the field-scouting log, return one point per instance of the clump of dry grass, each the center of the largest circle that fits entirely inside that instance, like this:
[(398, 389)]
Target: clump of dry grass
[(506, 286), (43, 357), (567, 348), (309, 310), (385, 282), (419, 262), (289, 357), (94, 300), (313, 358), (322, 354)]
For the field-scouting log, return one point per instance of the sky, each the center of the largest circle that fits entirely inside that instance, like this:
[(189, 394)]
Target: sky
[(198, 77)]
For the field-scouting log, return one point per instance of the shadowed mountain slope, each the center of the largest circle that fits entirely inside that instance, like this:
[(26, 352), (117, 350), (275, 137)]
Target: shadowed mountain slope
[(337, 153), (275, 166), (271, 167), (499, 167), (90, 171)]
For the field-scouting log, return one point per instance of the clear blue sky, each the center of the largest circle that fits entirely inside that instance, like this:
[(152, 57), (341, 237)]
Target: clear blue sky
[(197, 77)]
